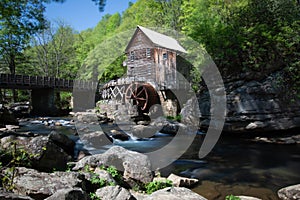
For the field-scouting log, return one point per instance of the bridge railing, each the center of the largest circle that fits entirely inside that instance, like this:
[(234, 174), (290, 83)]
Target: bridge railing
[(16, 81)]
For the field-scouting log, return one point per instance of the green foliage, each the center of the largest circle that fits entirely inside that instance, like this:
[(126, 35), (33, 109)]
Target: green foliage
[(65, 99), (19, 20), (87, 168), (114, 70), (232, 197), (157, 185), (114, 173), (256, 36), (93, 196), (13, 158), (247, 36), (176, 118), (101, 182), (69, 167)]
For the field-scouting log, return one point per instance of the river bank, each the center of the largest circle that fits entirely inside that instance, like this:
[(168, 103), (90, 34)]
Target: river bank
[(239, 166)]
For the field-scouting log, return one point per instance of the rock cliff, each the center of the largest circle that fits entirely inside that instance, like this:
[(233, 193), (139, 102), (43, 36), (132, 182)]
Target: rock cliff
[(255, 104)]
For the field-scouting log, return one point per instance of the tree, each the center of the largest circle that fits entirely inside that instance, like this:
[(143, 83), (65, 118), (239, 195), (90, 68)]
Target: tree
[(18, 21), (168, 12), (54, 51)]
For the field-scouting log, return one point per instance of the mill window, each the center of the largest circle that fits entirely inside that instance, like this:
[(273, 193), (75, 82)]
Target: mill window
[(148, 52), (132, 56), (165, 56)]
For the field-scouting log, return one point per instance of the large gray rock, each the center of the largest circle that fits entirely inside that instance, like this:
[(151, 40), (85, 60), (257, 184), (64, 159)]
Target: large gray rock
[(101, 174), (165, 126), (12, 196), (290, 192), (179, 181), (63, 141), (141, 131), (47, 155), (20, 109), (46, 152), (174, 193), (69, 194), (86, 117), (95, 139), (40, 185), (114, 192), (135, 165), (190, 113)]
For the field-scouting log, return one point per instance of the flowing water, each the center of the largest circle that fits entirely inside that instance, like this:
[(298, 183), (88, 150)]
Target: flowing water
[(236, 165)]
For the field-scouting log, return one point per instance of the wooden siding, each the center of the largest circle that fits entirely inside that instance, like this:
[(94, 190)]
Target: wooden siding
[(142, 66), (155, 68)]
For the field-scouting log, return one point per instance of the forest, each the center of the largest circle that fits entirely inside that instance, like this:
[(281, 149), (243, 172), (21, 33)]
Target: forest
[(252, 36)]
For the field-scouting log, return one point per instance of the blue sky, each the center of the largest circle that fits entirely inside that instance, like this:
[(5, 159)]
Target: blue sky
[(83, 14)]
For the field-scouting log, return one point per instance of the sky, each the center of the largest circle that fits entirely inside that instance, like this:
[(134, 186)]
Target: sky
[(83, 14)]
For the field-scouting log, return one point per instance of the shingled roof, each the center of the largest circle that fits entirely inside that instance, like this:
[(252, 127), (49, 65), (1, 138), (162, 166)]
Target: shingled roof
[(160, 40)]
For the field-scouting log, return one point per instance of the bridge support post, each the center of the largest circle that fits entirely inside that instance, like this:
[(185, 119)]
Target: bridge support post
[(83, 100), (43, 102)]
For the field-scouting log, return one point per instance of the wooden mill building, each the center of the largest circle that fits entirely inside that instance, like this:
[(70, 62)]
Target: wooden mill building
[(152, 57), (153, 62)]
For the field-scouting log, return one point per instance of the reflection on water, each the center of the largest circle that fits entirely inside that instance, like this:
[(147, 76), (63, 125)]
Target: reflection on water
[(235, 166)]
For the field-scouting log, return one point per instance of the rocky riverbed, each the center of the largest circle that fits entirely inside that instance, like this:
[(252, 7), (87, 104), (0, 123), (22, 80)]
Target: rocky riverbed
[(52, 168)]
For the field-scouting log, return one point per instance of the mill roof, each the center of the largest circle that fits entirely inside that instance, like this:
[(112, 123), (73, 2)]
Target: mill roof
[(159, 40)]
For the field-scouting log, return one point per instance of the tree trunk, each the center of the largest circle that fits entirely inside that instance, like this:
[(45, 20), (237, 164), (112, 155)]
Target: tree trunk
[(1, 96), (12, 68)]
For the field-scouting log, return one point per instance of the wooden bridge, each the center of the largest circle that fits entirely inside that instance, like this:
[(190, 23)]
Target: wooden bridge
[(43, 91), (14, 81)]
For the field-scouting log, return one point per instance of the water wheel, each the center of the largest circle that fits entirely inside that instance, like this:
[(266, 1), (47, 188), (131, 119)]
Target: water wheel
[(138, 94)]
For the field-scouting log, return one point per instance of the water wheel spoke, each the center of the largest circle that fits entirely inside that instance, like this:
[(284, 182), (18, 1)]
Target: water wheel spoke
[(138, 93), (135, 89), (141, 99), (143, 90)]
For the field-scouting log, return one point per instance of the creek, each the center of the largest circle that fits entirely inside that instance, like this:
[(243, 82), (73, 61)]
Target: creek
[(236, 165)]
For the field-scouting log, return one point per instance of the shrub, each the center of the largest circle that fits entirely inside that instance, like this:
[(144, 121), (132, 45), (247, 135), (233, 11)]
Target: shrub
[(157, 185)]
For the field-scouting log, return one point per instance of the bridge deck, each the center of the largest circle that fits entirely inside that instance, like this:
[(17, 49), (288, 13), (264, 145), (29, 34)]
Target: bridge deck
[(11, 81)]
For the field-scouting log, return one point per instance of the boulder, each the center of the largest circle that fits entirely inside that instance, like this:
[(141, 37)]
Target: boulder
[(40, 185), (47, 155), (141, 131), (119, 135), (95, 139), (69, 194), (86, 117), (114, 192), (290, 192), (135, 165), (11, 127), (12, 196), (6, 142), (102, 174), (20, 109), (165, 126), (170, 128), (190, 113), (175, 193), (179, 181), (63, 141), (7, 117)]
